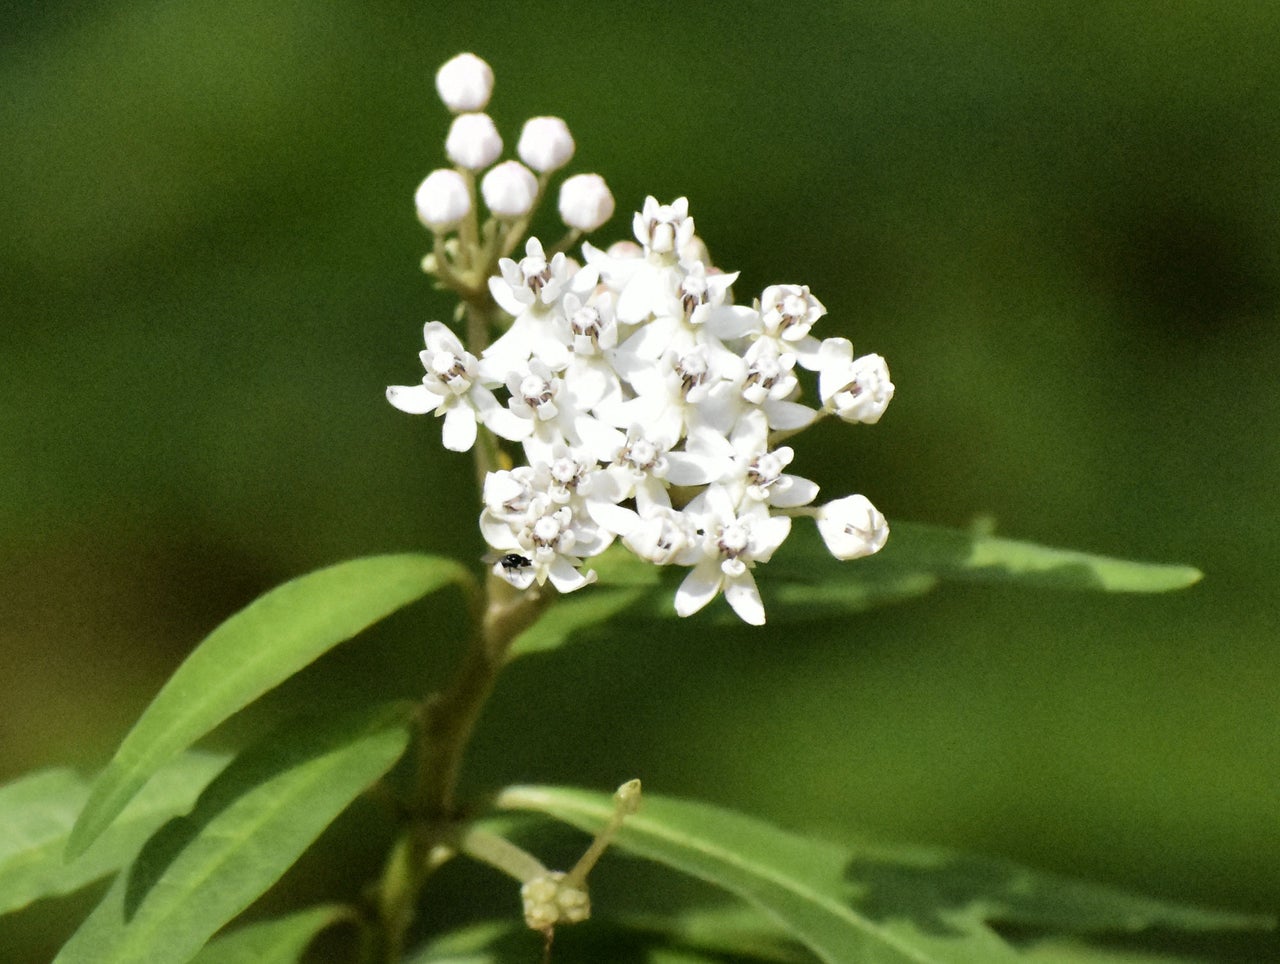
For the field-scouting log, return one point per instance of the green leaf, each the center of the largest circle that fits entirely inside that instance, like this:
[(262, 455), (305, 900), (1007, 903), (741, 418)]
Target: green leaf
[(279, 941), (973, 556), (253, 651), (797, 881), (804, 582), (870, 902), (248, 827), (941, 888), (38, 811), (736, 934)]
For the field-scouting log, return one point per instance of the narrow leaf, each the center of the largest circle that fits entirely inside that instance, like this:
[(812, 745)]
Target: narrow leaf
[(969, 887), (248, 827), (870, 902), (38, 811), (279, 941), (953, 554), (252, 652), (797, 881)]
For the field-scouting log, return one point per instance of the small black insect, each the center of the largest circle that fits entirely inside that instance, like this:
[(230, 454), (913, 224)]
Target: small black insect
[(513, 560)]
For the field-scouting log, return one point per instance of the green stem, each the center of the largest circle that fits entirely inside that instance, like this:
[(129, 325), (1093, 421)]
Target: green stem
[(500, 853), (448, 721)]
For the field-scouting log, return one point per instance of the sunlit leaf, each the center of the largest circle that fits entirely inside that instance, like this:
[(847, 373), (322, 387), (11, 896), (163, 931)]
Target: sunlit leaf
[(248, 827), (253, 651), (279, 941), (869, 902), (38, 811)]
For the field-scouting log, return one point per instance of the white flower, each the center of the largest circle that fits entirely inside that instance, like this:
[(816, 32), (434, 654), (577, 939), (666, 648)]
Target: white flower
[(551, 538), (450, 387), (733, 541), (761, 382), (594, 335), (769, 375), (637, 469), (547, 407), (530, 291), (789, 311), (508, 493), (670, 392), (566, 475), (856, 389), (664, 229), (545, 144), (509, 190), (473, 142), (650, 285), (442, 200), (852, 527), (531, 282), (664, 536), (703, 289), (585, 202), (464, 83), (741, 464)]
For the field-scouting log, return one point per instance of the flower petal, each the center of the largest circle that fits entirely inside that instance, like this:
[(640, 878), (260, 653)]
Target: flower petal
[(459, 432), (414, 399), (699, 587), (797, 491), (741, 593)]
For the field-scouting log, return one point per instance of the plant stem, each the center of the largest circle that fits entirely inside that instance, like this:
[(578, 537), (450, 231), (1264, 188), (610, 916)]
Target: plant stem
[(448, 718), (448, 721)]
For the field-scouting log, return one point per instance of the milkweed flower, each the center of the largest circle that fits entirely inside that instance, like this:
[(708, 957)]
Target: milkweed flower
[(630, 397), (855, 389), (734, 539), (450, 387)]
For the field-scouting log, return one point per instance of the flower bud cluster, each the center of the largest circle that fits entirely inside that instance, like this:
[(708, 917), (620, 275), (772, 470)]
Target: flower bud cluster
[(511, 189), (648, 406)]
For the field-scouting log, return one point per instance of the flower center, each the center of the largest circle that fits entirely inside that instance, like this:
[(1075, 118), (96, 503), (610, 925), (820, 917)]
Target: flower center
[(692, 369)]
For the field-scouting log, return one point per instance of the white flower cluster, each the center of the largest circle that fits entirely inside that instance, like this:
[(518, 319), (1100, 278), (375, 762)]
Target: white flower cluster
[(649, 407)]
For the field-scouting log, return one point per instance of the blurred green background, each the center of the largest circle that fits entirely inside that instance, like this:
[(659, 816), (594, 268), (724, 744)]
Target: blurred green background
[(1059, 223)]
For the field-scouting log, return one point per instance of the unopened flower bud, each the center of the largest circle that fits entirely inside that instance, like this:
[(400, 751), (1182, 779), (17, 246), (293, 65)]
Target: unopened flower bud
[(545, 144), (585, 202), (852, 527), (473, 141), (442, 200), (509, 190), (465, 83)]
